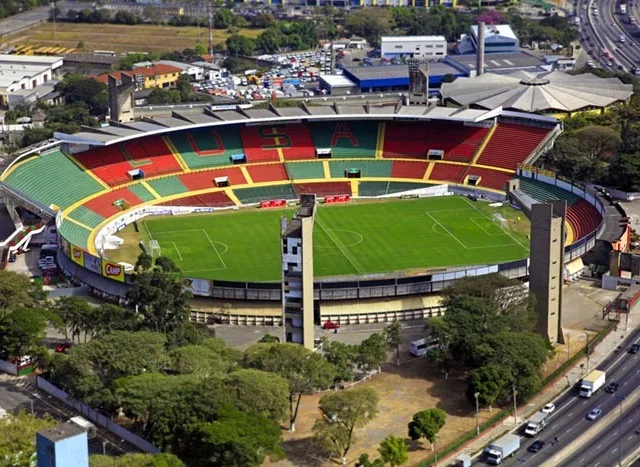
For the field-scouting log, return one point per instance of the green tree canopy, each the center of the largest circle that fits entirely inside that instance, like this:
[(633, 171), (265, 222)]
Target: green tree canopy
[(427, 424), (259, 392), (394, 451), (136, 460), (17, 290), (18, 440)]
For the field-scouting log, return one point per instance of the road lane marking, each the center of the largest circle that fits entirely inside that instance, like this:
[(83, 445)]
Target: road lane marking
[(598, 447), (630, 420)]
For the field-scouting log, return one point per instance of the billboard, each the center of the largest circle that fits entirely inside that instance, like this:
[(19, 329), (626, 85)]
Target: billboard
[(77, 255), (93, 263), (64, 244), (113, 271), (200, 287)]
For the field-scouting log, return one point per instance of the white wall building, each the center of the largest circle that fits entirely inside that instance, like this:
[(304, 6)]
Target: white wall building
[(498, 38), (25, 72), (413, 46)]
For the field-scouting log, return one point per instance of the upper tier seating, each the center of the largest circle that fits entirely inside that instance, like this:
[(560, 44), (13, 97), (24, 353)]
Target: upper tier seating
[(211, 147), (323, 188), (52, 179), (86, 216), (267, 173), (141, 192), (511, 144), (105, 204), (267, 143), (414, 140), (409, 169), (205, 179), (112, 163), (449, 173), (302, 170), (74, 233), (346, 139), (216, 199)]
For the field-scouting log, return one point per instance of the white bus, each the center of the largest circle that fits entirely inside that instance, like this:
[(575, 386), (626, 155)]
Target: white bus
[(420, 347)]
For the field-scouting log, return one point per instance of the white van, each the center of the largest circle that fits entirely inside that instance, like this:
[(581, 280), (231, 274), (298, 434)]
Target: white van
[(86, 425), (420, 347)]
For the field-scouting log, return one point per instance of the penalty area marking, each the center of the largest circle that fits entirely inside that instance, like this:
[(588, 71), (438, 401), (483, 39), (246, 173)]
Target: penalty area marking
[(177, 251), (505, 231)]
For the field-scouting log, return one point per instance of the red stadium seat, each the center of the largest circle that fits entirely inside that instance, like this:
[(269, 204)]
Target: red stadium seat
[(491, 178), (511, 144), (449, 173), (268, 173), (202, 180), (323, 189), (105, 203), (264, 143), (584, 218), (217, 199), (409, 169)]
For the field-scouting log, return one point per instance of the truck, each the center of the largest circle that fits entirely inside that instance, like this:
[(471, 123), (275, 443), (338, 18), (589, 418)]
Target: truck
[(536, 424), (592, 382), (502, 448), (623, 8)]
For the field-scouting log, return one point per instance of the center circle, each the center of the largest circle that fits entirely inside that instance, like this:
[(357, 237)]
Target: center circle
[(347, 238)]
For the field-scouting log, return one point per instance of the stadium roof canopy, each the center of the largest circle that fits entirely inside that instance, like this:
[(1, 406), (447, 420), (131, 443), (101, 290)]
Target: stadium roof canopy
[(529, 92)]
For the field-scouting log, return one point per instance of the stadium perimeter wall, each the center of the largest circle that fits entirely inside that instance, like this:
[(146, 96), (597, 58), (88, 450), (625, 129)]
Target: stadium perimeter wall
[(111, 279)]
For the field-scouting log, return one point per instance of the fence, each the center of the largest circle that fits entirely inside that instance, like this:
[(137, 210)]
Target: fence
[(96, 417), (8, 367)]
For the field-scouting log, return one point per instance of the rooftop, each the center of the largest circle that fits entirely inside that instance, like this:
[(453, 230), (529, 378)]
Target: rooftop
[(62, 431), (414, 38), (149, 72), (399, 71), (37, 60), (494, 31), (337, 81), (499, 61)]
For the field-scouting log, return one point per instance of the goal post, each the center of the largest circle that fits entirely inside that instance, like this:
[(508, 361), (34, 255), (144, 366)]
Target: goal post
[(500, 221), (152, 247)]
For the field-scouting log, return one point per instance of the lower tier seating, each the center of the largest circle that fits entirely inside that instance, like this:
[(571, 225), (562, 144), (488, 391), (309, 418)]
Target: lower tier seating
[(113, 202), (491, 178), (449, 173), (302, 170), (584, 218), (167, 186), (323, 189), (376, 168), (544, 192), (216, 199), (386, 188), (409, 169), (268, 173), (202, 180), (263, 193)]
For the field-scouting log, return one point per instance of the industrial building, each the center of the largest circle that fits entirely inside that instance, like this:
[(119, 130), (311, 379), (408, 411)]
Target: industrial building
[(498, 38), (25, 73), (413, 46), (396, 77)]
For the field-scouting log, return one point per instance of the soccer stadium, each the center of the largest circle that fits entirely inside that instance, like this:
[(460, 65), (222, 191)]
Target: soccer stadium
[(409, 199)]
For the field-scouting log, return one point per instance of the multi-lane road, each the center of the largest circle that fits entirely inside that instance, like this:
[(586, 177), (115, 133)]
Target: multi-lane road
[(569, 421)]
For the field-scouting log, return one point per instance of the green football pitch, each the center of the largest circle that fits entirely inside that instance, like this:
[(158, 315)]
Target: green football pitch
[(358, 238)]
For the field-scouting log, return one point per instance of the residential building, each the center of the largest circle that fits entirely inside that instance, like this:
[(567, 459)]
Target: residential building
[(154, 76), (413, 46)]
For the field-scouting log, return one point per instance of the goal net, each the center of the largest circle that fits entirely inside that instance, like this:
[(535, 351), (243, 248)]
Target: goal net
[(153, 248), (500, 221)]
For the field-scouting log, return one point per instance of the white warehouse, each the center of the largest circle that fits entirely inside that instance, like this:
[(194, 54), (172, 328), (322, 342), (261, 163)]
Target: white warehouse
[(413, 46)]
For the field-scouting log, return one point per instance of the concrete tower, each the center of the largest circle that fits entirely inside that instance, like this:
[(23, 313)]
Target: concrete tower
[(480, 50)]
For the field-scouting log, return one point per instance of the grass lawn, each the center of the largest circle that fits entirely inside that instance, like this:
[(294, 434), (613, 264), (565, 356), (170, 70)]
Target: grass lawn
[(120, 37), (358, 238)]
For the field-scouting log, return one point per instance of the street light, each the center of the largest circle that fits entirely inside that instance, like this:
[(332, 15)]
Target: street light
[(586, 336), (476, 394)]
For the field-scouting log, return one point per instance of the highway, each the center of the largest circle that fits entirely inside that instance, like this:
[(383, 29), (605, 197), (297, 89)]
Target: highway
[(569, 421), (603, 31)]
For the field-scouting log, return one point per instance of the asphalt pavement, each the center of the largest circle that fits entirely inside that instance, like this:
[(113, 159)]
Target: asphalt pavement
[(568, 421)]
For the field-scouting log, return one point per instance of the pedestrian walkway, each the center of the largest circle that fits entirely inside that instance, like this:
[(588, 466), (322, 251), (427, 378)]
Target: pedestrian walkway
[(604, 349)]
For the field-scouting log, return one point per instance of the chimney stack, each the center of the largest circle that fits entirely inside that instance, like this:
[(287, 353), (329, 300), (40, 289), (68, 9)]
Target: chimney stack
[(480, 50)]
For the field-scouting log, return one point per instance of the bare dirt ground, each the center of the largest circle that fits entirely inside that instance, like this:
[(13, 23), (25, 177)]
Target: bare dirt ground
[(119, 37)]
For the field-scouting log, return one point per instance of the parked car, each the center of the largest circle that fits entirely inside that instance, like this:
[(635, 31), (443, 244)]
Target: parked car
[(548, 408), (594, 413), (63, 348), (536, 446), (330, 325), (635, 348)]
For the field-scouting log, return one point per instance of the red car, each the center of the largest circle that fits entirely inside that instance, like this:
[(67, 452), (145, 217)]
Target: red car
[(330, 325), (62, 348)]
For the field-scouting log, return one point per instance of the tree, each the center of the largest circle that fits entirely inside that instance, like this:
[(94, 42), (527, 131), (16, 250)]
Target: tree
[(199, 361), (73, 311), (393, 450), (269, 339), (343, 357), (144, 262), (223, 18), (427, 424), (136, 460), (490, 382), (269, 41), (21, 331), (343, 412), (17, 290), (260, 392), (372, 352), (35, 135), (304, 370), (18, 440), (79, 89), (233, 439), (160, 297), (240, 45), (364, 461), (370, 23), (392, 333)]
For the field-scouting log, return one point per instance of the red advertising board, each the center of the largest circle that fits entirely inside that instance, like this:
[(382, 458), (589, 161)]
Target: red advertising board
[(337, 199), (273, 203)]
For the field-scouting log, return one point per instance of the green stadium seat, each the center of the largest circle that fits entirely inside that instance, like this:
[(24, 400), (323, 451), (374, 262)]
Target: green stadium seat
[(385, 188), (141, 192), (304, 170), (544, 192), (208, 148), (168, 186), (76, 234), (86, 216), (53, 179), (346, 139), (257, 194), (378, 168)]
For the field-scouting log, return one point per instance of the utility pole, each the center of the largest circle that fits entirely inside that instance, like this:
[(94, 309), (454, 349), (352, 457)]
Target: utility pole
[(568, 346), (53, 14), (515, 406), (435, 445), (210, 30), (586, 335), (476, 394)]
